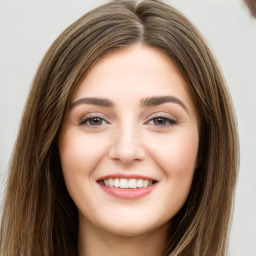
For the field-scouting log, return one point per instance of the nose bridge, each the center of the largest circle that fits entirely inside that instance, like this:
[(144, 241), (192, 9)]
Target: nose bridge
[(127, 145)]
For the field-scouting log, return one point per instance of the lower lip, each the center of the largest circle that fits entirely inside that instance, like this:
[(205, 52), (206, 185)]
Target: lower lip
[(128, 194)]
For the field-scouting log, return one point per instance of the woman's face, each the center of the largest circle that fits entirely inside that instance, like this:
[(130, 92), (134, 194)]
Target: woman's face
[(129, 143)]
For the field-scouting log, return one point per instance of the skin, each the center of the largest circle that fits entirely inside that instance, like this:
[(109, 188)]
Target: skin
[(158, 141)]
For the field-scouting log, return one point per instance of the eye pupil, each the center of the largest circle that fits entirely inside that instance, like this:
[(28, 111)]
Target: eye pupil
[(159, 121), (95, 121)]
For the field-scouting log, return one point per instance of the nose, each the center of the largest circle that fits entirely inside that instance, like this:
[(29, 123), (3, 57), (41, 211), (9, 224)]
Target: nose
[(127, 146)]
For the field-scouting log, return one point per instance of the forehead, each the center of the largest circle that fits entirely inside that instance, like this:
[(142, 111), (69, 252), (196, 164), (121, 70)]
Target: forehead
[(136, 71)]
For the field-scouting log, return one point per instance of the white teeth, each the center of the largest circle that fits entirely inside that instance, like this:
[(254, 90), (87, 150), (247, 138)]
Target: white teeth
[(116, 183), (140, 183), (145, 183), (125, 183), (132, 183), (110, 182)]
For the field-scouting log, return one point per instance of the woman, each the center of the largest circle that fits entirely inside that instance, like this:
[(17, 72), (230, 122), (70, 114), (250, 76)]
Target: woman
[(128, 142)]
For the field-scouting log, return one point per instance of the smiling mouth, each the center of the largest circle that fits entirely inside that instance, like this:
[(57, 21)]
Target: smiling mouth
[(127, 183)]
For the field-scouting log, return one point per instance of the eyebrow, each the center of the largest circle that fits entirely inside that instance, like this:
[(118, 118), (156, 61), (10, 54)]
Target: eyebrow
[(147, 102), (157, 100), (94, 101)]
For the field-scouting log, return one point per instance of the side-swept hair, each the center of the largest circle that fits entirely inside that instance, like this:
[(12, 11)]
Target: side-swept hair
[(39, 217)]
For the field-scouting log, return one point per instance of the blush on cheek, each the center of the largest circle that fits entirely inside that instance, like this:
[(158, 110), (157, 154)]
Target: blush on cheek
[(80, 154), (185, 151), (177, 159)]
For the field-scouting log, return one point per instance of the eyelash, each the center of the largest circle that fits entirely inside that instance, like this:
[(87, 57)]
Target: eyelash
[(85, 121), (167, 121)]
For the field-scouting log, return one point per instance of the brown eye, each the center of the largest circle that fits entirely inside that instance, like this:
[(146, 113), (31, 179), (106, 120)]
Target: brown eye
[(93, 121), (162, 121), (159, 121)]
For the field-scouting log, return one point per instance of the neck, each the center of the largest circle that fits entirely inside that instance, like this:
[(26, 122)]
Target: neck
[(94, 242)]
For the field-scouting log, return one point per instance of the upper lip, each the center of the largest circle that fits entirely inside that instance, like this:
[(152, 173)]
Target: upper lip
[(126, 176)]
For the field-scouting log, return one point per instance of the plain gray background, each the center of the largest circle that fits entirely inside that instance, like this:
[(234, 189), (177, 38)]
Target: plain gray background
[(28, 27)]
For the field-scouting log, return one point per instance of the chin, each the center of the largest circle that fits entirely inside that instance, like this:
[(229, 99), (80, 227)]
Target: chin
[(133, 228)]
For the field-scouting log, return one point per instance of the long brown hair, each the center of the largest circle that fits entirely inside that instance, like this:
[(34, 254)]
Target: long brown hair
[(39, 217)]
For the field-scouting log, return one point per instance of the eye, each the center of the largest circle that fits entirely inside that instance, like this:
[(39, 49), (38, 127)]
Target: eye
[(93, 121), (162, 121)]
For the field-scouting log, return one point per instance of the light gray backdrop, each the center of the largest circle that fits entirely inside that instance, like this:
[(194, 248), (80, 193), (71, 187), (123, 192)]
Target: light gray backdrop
[(28, 27)]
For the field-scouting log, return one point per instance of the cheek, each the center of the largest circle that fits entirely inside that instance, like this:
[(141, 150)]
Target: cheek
[(182, 155), (79, 153), (177, 154), (177, 159)]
